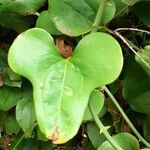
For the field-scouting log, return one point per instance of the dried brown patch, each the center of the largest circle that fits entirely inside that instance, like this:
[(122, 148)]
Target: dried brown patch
[(65, 46), (55, 135)]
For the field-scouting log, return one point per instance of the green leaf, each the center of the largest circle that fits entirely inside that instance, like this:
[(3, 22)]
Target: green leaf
[(25, 115), (56, 81), (146, 128), (97, 102), (44, 21), (124, 140), (11, 126), (14, 21), (130, 2), (142, 10), (20, 6), (80, 15), (136, 89), (9, 97)]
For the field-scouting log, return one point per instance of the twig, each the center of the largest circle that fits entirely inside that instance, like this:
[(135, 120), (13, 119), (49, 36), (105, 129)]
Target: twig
[(132, 29), (130, 46)]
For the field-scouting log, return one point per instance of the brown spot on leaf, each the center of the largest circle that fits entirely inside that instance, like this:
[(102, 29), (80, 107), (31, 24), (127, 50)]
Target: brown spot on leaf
[(55, 135)]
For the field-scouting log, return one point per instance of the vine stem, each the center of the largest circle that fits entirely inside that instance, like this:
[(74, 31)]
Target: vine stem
[(103, 129), (126, 118), (99, 15)]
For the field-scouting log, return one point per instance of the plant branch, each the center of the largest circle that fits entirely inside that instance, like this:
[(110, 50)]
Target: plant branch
[(132, 29), (99, 15), (126, 118), (128, 43), (103, 129)]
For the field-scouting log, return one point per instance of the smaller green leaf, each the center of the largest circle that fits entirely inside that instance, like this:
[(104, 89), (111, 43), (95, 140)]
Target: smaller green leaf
[(124, 140), (9, 97), (25, 115), (44, 21), (146, 128), (97, 102), (11, 126)]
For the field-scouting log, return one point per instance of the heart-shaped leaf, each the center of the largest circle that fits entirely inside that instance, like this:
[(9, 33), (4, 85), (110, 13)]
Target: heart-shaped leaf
[(80, 15), (62, 86), (22, 7), (124, 140)]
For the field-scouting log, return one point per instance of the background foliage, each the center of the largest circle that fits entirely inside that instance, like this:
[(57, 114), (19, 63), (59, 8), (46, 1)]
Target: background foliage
[(67, 51)]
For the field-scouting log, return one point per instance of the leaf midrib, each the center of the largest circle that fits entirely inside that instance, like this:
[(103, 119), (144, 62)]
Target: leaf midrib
[(61, 95)]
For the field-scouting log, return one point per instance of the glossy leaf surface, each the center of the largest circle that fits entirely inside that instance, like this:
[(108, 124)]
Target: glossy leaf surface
[(59, 102)]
